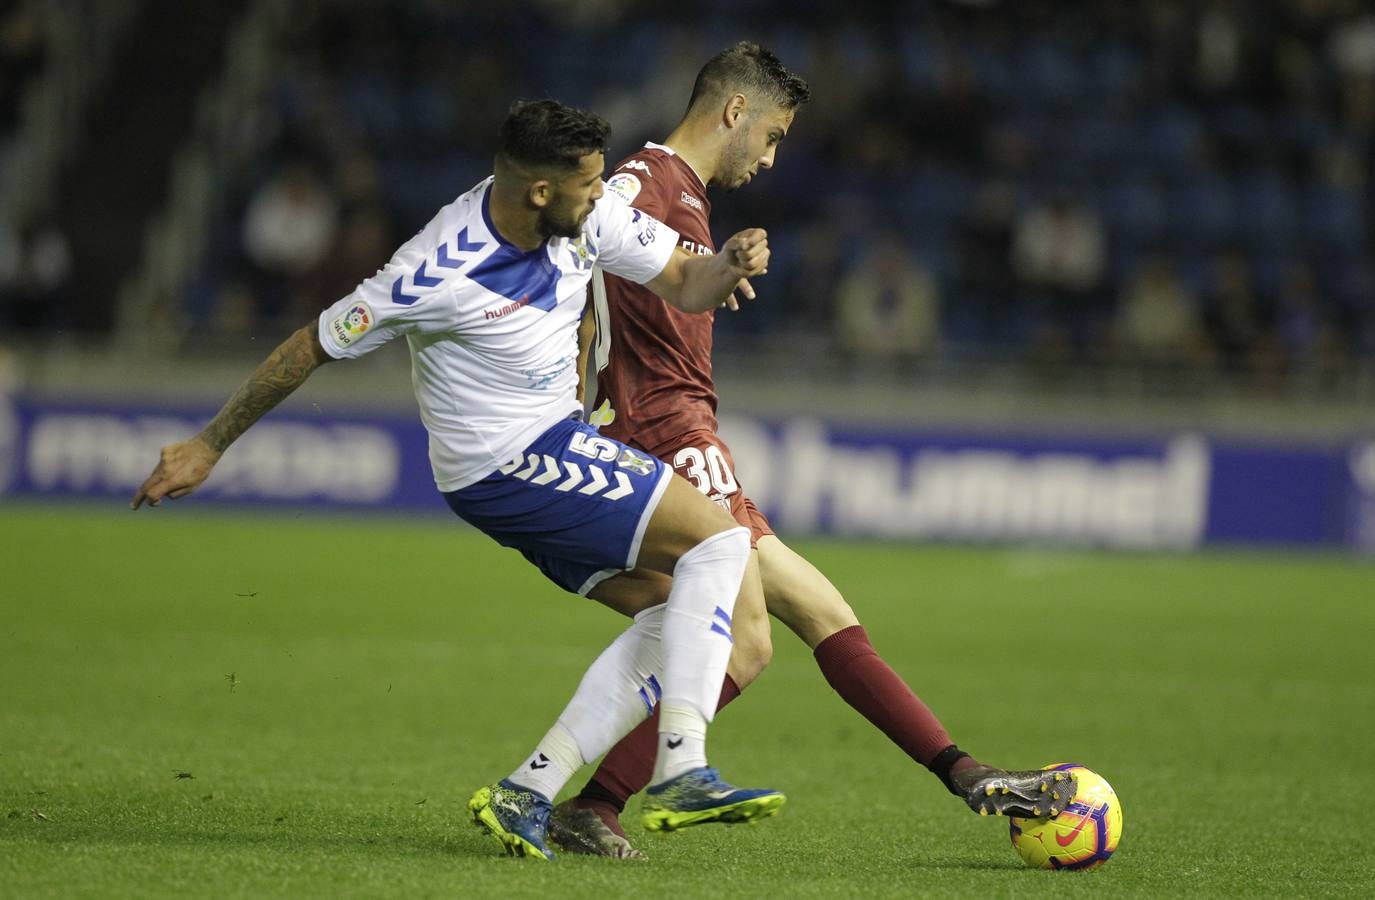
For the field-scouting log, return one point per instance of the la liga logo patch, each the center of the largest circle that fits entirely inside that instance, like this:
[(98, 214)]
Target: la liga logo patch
[(625, 186), (353, 324)]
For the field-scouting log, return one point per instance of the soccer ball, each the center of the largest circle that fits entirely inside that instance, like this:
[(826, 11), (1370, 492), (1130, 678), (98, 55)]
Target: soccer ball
[(1081, 837)]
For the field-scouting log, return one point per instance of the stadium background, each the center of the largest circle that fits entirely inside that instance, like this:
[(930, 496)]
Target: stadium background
[(1022, 249), (1062, 290)]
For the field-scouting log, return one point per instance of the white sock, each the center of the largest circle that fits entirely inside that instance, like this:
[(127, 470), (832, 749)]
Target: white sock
[(682, 743), (554, 761), (696, 647), (618, 691)]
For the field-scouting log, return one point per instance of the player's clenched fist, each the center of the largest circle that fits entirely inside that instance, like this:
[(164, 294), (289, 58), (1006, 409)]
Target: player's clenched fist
[(748, 252), (180, 470)]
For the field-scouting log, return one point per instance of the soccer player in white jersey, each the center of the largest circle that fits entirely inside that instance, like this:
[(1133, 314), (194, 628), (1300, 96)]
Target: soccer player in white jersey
[(488, 296)]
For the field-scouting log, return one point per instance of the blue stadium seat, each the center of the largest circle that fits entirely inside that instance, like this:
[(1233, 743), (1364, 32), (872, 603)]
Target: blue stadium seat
[(1050, 73), (1266, 209), (921, 60), (1332, 219), (1201, 211), (1135, 209), (1171, 138), (1113, 71)]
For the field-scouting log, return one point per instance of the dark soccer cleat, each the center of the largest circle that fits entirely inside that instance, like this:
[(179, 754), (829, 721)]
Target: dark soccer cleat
[(586, 830), (699, 796), (517, 818), (1029, 795)]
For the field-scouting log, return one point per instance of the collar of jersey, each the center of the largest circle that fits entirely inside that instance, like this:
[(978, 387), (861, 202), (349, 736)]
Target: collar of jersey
[(492, 229), (527, 276), (650, 145)]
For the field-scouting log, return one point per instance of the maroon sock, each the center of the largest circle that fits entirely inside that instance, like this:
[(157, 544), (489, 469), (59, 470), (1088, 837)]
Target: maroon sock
[(861, 677), (629, 765)]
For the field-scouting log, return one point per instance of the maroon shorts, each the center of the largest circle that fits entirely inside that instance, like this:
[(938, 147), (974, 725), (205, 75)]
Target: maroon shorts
[(705, 461)]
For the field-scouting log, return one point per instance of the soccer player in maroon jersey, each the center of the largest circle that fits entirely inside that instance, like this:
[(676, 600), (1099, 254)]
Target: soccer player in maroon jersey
[(655, 392)]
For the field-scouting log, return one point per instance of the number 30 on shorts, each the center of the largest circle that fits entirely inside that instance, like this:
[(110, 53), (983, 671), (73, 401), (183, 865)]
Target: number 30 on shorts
[(709, 471)]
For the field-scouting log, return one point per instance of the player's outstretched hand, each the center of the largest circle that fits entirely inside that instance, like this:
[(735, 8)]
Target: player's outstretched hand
[(747, 253), (180, 471)]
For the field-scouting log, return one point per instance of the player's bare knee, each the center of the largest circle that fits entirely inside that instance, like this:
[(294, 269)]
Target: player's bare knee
[(812, 614), (799, 595)]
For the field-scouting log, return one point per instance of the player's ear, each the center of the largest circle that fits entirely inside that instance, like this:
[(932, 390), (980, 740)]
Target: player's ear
[(734, 112), (540, 192)]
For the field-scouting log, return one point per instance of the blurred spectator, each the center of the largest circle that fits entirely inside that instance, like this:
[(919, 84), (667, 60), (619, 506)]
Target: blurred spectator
[(35, 274), (887, 305), (22, 53), (1306, 328), (288, 227), (1158, 323), (1238, 327), (1353, 46), (363, 245), (290, 222), (1218, 65), (1059, 247), (1058, 255), (1222, 123), (986, 277), (812, 278)]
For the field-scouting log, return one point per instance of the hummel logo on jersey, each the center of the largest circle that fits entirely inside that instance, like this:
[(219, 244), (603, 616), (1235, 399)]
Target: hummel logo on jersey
[(637, 164), (674, 745), (691, 200), (508, 308), (540, 762)]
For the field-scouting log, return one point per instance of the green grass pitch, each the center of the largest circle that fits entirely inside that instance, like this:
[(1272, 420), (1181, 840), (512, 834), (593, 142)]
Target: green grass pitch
[(210, 704)]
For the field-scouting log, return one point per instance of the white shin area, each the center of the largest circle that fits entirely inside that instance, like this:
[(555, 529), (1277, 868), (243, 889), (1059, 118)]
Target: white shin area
[(696, 646), (618, 691)]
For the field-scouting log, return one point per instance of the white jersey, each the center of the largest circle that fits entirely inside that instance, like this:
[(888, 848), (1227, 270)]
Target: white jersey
[(492, 329)]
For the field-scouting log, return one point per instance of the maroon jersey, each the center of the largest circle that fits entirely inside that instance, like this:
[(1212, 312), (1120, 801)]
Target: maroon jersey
[(653, 361)]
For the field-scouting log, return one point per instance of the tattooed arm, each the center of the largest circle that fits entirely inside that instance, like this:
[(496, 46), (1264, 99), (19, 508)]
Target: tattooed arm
[(184, 466)]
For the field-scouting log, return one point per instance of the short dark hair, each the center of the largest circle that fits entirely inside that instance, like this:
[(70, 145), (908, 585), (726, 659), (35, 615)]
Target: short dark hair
[(748, 67), (540, 133)]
